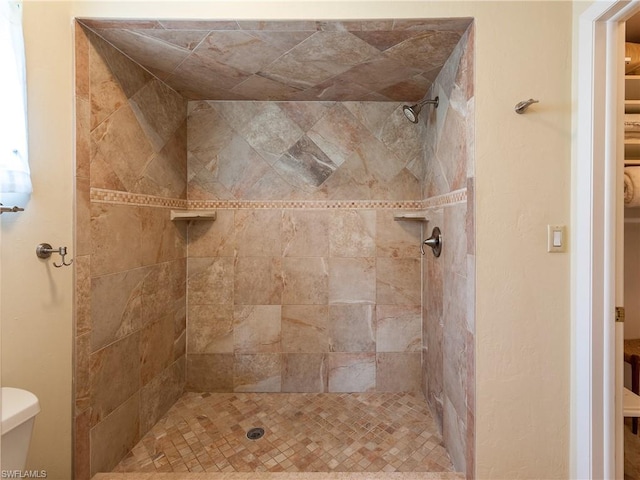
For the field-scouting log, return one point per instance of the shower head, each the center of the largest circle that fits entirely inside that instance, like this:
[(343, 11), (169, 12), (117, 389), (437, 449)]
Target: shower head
[(412, 112)]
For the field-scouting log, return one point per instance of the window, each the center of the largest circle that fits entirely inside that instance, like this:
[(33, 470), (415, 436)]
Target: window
[(14, 166)]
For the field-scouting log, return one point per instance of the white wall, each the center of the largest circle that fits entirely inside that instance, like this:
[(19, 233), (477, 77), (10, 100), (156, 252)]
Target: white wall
[(522, 184), (36, 297)]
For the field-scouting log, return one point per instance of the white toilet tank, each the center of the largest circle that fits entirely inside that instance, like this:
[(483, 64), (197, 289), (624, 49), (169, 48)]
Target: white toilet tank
[(19, 409)]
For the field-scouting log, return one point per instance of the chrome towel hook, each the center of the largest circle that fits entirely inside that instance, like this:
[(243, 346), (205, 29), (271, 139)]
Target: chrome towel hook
[(44, 250), (434, 241)]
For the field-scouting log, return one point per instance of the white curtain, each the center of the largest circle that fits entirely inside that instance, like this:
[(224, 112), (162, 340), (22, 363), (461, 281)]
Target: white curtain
[(14, 165)]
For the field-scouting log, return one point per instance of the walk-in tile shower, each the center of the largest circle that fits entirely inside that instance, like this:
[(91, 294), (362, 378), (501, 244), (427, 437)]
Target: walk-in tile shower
[(308, 282)]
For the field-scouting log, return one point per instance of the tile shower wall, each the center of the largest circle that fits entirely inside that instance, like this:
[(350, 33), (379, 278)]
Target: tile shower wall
[(448, 282), (303, 283), (307, 284), (130, 259)]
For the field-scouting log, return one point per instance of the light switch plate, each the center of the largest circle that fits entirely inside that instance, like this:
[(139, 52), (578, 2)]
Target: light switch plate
[(556, 238)]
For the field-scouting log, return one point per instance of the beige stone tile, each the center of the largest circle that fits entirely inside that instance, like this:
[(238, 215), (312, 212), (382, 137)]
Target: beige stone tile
[(304, 372), (166, 174), (159, 110), (397, 238), (82, 373), (210, 281), (471, 378), (454, 225), (82, 217), (210, 372), (305, 165), (210, 329), (265, 126), (305, 114), (156, 348), (403, 186), (82, 265), (106, 94), (239, 167), (325, 432), (256, 329), (258, 233), (164, 291), (208, 134), (398, 328), (283, 476), (306, 280), (373, 115), (258, 281), (454, 434), (470, 227), (352, 328), (271, 186), (115, 376), (352, 280), (305, 233), (351, 372), (454, 345), (398, 281), (115, 435), (180, 336), (213, 239), (162, 240), (275, 90), (304, 328), (351, 181), (81, 57), (353, 233), (83, 137), (433, 321), (403, 142), (110, 251), (144, 47), (257, 373), (338, 135), (454, 165), (120, 152), (159, 395), (116, 306), (82, 443), (127, 71), (398, 372)]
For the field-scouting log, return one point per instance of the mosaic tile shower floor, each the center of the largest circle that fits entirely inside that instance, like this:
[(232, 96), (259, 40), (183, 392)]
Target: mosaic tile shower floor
[(304, 432)]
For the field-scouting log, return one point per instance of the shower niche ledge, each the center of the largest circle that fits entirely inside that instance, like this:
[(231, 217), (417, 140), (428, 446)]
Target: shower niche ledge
[(193, 215), (419, 216)]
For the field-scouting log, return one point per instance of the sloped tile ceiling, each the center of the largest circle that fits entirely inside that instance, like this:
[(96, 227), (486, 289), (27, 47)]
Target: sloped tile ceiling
[(372, 60)]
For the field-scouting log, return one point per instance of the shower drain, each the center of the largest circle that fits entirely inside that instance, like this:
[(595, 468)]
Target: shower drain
[(255, 433)]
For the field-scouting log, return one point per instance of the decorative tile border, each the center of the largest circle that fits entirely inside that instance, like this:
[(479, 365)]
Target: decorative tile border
[(458, 196), (125, 198), (300, 204)]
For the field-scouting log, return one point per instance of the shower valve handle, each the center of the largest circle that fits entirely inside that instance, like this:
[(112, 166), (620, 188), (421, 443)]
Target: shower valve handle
[(434, 242)]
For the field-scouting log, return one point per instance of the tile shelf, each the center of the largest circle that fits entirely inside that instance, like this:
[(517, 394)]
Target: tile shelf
[(413, 216), (196, 215)]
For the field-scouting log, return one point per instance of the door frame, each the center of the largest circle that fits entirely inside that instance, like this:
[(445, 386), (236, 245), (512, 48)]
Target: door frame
[(596, 447)]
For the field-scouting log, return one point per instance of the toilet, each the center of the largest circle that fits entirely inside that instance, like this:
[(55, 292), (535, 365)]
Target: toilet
[(19, 409)]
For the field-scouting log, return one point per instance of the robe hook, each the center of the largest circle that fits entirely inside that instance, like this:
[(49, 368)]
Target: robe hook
[(44, 250)]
